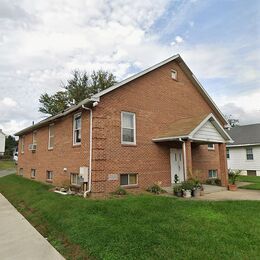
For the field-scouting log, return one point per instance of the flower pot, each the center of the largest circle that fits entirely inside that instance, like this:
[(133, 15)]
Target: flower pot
[(178, 193), (196, 193), (232, 187), (187, 193)]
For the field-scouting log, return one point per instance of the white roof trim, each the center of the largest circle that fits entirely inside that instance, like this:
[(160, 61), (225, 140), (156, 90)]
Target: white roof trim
[(190, 136), (218, 127), (241, 145)]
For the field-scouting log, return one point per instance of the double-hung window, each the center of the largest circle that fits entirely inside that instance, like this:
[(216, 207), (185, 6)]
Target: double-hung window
[(249, 154), (51, 137), (128, 128), (77, 129)]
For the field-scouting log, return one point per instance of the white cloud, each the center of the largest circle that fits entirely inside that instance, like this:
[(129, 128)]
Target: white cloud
[(7, 103), (178, 39)]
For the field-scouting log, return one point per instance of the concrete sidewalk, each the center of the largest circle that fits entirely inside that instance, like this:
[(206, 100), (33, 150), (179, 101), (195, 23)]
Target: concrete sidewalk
[(7, 172), (19, 239)]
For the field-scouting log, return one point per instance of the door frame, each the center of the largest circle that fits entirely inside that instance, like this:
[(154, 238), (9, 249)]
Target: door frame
[(172, 167)]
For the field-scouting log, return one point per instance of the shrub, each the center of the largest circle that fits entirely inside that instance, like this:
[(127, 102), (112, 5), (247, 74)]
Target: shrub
[(176, 178), (155, 188), (177, 188), (188, 185), (218, 182), (120, 191), (213, 182)]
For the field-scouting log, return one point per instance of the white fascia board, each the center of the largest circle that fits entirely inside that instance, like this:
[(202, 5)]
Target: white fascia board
[(171, 138), (242, 145)]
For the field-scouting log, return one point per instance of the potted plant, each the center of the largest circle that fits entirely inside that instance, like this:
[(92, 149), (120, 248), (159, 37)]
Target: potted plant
[(187, 187), (196, 189), (233, 175), (177, 190)]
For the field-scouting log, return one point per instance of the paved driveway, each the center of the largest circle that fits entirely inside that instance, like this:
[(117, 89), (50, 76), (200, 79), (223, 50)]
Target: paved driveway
[(232, 195), (7, 172), (19, 240)]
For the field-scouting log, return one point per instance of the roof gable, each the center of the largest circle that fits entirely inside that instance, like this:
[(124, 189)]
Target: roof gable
[(205, 129)]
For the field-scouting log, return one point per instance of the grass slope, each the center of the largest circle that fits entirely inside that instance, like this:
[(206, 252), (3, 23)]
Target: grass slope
[(4, 165), (255, 182), (138, 227)]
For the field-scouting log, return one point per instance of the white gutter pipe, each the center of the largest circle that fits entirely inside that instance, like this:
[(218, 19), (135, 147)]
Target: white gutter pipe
[(90, 151), (184, 156)]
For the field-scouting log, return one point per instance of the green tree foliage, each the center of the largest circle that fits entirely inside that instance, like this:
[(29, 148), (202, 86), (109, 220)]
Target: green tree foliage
[(79, 87), (10, 146)]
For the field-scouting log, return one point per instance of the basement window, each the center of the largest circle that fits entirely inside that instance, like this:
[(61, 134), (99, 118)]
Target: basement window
[(213, 174), (21, 171), (33, 173), (74, 179), (49, 175), (174, 74), (128, 179)]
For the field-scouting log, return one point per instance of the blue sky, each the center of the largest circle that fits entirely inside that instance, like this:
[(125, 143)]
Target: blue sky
[(41, 42)]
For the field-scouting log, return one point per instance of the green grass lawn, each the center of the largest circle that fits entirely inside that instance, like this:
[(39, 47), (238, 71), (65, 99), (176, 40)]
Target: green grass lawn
[(138, 227), (4, 165), (254, 179)]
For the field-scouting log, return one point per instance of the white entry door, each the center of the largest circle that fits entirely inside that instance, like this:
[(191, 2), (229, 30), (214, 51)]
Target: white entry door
[(176, 164)]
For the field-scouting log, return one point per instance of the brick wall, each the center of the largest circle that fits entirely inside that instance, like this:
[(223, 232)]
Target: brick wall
[(157, 100)]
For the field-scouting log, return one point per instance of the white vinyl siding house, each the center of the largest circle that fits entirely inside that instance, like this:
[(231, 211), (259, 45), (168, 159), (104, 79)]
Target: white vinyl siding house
[(238, 159), (244, 153)]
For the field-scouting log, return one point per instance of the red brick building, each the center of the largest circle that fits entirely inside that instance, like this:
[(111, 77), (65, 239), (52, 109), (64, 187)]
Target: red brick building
[(149, 127)]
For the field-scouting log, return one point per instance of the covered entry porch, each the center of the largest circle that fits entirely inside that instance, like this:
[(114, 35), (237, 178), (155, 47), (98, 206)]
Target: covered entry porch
[(197, 149)]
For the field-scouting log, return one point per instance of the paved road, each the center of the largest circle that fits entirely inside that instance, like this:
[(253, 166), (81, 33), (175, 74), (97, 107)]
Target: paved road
[(7, 172), (19, 240)]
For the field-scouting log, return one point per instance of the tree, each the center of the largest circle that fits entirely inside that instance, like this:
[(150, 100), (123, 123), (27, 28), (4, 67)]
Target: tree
[(80, 86), (53, 104), (232, 121), (10, 146)]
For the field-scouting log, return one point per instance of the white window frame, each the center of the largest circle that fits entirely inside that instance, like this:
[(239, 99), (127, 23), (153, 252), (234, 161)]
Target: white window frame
[(22, 144), (174, 74), (33, 173), (228, 153), (211, 148), (47, 177), (251, 148), (122, 127), (71, 178), (128, 178), (213, 171), (74, 129), (50, 136)]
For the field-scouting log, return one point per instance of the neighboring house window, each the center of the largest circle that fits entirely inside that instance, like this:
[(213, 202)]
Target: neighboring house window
[(213, 174), (22, 144), (128, 179), (51, 137), (211, 147), (49, 175), (228, 153), (34, 141), (128, 131), (174, 74), (74, 179), (249, 154), (77, 129), (33, 173), (21, 171)]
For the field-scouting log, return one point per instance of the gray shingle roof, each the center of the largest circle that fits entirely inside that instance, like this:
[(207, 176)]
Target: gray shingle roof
[(245, 134)]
